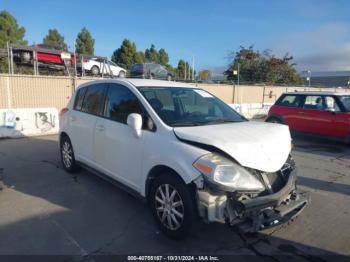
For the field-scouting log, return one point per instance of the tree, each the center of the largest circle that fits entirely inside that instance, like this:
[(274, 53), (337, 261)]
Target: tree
[(152, 54), (163, 57), (264, 67), (10, 31), (204, 75), (55, 39), (127, 55), (140, 57), (184, 70), (84, 44)]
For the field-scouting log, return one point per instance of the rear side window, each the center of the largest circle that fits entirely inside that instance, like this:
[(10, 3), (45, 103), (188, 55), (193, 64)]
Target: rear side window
[(314, 102), (137, 68), (94, 99), (346, 102), (79, 98), (290, 101), (331, 104), (121, 102)]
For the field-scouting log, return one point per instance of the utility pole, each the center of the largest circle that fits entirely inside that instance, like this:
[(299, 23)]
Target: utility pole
[(75, 59), (185, 70), (309, 77), (193, 68), (189, 72), (8, 57), (236, 72)]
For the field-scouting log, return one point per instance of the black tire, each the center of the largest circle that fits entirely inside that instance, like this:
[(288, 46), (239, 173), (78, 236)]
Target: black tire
[(95, 70), (67, 155), (274, 120), (183, 203)]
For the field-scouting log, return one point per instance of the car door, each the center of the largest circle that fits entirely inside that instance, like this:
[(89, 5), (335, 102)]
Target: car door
[(117, 151), (88, 105), (161, 72), (340, 122), (314, 117), (288, 108), (114, 68)]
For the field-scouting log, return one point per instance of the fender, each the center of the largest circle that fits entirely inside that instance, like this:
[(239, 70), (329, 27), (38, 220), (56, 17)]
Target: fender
[(278, 116)]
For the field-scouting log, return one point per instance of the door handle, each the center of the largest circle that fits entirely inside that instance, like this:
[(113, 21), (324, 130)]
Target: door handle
[(100, 127), (301, 113), (73, 118)]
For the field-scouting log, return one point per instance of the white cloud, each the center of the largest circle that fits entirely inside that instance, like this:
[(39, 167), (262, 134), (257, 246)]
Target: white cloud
[(326, 48)]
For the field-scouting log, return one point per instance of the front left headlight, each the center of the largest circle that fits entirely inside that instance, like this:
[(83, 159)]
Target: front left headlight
[(225, 172)]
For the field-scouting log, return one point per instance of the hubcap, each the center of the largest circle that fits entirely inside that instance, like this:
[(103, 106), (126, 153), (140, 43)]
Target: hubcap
[(169, 206), (67, 154)]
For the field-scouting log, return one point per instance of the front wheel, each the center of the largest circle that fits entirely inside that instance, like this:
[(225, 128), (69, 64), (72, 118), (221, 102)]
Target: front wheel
[(173, 207), (95, 70)]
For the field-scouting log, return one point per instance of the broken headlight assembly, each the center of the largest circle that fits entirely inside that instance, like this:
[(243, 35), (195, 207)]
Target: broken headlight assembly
[(226, 174)]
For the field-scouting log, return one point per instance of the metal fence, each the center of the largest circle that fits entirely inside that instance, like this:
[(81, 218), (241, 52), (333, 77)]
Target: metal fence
[(28, 91)]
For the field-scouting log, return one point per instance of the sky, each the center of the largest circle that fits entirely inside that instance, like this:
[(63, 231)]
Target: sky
[(315, 33)]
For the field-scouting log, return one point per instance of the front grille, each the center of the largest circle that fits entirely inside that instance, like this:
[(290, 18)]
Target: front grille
[(277, 180)]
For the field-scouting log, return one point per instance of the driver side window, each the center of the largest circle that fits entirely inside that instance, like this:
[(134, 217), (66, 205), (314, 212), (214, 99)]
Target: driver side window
[(121, 102)]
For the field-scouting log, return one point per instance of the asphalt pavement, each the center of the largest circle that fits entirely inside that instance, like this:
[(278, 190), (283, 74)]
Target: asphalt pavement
[(46, 211)]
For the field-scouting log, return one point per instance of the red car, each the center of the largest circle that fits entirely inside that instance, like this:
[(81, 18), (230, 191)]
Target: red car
[(51, 55), (319, 113)]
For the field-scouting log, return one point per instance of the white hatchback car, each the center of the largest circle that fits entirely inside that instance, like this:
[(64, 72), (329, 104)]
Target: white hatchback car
[(97, 66), (186, 152)]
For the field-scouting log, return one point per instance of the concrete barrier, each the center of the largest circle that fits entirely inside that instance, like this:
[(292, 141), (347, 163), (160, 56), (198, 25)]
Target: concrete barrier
[(28, 122), (252, 111)]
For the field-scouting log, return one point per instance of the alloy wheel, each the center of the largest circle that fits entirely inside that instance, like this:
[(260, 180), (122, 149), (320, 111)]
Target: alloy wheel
[(67, 154), (169, 207)]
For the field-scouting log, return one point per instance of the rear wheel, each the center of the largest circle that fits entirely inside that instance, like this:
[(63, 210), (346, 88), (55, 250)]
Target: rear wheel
[(274, 120), (173, 207), (121, 74), (67, 155), (95, 70)]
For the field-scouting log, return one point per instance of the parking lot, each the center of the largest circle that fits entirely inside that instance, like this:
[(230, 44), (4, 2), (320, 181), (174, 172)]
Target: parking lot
[(45, 210)]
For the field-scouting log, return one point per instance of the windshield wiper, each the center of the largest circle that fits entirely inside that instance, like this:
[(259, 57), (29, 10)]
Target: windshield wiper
[(188, 123), (219, 121)]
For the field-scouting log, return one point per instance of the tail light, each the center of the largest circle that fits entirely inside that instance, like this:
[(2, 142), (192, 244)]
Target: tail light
[(63, 111)]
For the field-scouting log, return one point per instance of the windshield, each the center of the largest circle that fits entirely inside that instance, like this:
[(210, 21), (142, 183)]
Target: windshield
[(178, 106), (346, 102)]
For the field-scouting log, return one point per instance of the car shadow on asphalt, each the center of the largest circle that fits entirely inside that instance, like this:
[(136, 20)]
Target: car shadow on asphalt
[(320, 146), (48, 211), (329, 186)]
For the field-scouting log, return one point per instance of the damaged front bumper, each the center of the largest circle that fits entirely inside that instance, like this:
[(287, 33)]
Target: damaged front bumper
[(251, 214)]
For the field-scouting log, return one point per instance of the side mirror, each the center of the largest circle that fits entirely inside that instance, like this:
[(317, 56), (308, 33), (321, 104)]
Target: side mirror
[(135, 122)]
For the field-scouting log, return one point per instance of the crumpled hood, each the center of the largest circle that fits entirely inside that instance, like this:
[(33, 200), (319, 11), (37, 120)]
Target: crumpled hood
[(257, 145)]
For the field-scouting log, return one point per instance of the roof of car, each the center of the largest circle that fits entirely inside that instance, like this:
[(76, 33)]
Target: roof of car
[(139, 82), (325, 93)]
